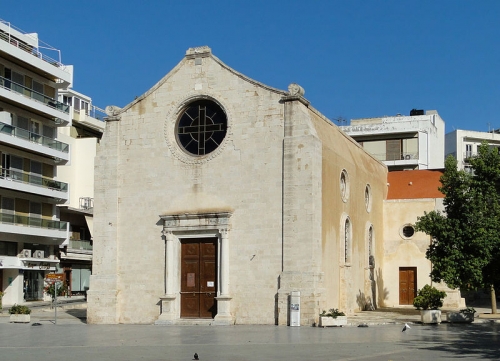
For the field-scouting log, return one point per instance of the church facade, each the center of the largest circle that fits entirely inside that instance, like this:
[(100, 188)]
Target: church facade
[(216, 196)]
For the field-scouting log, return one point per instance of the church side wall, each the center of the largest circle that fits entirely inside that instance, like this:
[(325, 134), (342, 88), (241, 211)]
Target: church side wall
[(348, 286)]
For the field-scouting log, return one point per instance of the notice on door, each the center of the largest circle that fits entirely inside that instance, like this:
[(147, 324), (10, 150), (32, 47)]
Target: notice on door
[(190, 280), (210, 283)]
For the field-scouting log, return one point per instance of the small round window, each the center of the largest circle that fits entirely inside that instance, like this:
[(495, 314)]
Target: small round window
[(408, 231), (202, 127)]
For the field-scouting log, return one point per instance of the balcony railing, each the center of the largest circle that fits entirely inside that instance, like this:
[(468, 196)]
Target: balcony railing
[(395, 156), (33, 137), (80, 244), (469, 154), (15, 219), (27, 178), (6, 36), (30, 93)]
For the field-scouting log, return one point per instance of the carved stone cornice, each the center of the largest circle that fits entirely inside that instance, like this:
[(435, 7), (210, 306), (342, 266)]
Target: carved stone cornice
[(196, 221)]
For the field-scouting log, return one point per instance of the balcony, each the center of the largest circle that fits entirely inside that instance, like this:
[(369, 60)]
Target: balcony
[(80, 244), (26, 182), (49, 231), (408, 157), (25, 46), (32, 141), (468, 155), (33, 100)]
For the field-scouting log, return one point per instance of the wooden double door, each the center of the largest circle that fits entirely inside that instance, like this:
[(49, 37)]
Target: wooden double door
[(407, 285), (198, 278)]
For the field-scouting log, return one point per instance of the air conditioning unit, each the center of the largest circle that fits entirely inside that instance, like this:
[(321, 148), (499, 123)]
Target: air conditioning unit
[(407, 157), (38, 254), (26, 253)]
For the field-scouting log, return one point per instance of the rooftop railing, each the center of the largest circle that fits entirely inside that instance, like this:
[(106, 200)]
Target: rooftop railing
[(36, 180), (7, 36), (30, 93), (15, 219), (33, 137)]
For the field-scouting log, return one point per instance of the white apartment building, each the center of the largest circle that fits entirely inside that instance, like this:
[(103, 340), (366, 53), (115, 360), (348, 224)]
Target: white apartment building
[(83, 138), (402, 142), (462, 144), (35, 192)]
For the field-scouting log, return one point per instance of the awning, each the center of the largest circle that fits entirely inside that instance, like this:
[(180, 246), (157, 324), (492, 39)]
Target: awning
[(90, 223), (10, 262)]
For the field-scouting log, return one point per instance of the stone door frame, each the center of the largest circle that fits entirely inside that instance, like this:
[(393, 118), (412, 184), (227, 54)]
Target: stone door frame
[(195, 225)]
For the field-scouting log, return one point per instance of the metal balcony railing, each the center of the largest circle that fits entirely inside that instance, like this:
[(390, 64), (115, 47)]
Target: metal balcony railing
[(30, 93), (15, 219), (28, 178), (6, 36), (33, 137)]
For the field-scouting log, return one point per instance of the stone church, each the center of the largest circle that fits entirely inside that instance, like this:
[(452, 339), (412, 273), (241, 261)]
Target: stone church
[(216, 196)]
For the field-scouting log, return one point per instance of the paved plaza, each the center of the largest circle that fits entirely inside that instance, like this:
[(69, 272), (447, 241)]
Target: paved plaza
[(72, 338)]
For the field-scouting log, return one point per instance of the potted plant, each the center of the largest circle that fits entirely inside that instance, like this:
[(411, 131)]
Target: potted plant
[(333, 317), (465, 315), (429, 299), (19, 313)]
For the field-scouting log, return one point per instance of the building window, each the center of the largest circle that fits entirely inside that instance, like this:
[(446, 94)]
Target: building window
[(368, 198), (347, 241), (344, 185), (8, 248), (202, 127), (407, 231), (371, 254)]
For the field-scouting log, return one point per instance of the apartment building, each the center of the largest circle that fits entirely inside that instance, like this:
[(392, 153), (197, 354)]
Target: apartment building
[(35, 191), (463, 144), (402, 142), (82, 136)]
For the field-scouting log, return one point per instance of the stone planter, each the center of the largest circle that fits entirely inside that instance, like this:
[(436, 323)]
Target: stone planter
[(19, 318), (330, 321), (430, 316), (458, 317)]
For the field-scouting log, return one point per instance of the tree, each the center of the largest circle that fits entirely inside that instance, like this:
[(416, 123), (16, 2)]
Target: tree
[(465, 243)]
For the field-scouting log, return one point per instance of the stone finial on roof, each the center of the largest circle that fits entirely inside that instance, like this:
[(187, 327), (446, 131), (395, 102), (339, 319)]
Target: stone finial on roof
[(198, 51), (296, 89), (112, 110)]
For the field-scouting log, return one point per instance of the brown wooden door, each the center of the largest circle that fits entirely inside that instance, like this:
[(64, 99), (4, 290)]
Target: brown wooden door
[(198, 278), (407, 285)]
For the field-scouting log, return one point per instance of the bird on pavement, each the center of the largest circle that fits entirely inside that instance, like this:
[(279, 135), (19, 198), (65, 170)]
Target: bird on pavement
[(195, 356), (406, 326)]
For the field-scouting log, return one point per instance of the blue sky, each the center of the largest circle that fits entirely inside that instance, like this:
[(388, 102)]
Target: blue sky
[(354, 58)]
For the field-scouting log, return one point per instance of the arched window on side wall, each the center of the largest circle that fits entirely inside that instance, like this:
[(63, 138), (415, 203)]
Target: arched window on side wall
[(347, 241)]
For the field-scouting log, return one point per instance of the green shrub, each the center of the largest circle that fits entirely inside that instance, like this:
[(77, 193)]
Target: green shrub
[(19, 310), (333, 312), (429, 298)]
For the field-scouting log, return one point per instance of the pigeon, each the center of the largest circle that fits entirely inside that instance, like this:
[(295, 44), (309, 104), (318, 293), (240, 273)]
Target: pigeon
[(406, 326), (195, 356)]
